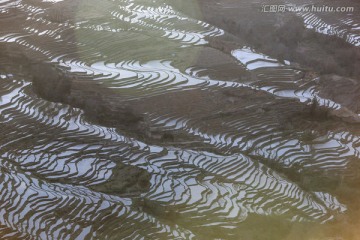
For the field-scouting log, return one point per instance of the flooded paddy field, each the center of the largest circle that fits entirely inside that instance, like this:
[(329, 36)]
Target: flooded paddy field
[(193, 119)]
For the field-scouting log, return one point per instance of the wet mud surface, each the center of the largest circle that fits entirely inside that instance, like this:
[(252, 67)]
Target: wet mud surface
[(178, 120)]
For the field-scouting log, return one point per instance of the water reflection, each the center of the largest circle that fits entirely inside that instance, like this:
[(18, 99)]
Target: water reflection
[(126, 120)]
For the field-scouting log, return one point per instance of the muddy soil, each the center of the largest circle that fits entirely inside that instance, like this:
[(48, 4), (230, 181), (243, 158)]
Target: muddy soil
[(281, 35)]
